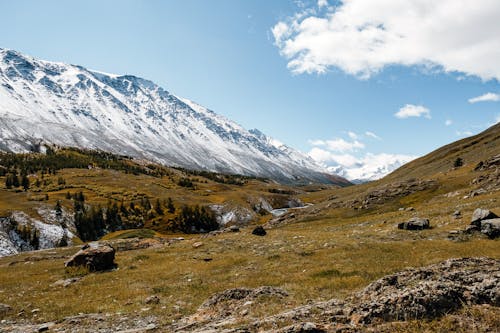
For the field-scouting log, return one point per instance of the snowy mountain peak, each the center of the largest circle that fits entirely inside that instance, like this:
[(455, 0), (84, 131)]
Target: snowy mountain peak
[(69, 105)]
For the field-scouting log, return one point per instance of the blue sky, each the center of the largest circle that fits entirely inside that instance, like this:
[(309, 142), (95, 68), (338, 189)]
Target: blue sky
[(337, 80)]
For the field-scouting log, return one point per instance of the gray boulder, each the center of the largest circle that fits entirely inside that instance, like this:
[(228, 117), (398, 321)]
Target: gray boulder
[(415, 223), (94, 256), (481, 214), (491, 228)]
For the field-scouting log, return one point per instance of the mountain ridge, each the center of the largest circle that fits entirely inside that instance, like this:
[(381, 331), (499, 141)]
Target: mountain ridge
[(69, 105)]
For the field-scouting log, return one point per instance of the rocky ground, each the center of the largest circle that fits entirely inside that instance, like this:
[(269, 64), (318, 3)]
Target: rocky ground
[(437, 291)]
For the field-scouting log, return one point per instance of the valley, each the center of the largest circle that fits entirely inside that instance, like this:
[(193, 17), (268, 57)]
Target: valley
[(318, 257)]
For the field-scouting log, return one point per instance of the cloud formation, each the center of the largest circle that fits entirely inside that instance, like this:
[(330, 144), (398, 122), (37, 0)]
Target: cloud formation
[(339, 145), (361, 37), (339, 157), (410, 110), (488, 97)]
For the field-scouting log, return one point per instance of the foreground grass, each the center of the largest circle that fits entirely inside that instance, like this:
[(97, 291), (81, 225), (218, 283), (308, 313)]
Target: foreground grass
[(312, 261)]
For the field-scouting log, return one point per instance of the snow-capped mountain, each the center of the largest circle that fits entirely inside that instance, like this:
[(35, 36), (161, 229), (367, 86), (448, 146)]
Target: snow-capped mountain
[(370, 167), (69, 105)]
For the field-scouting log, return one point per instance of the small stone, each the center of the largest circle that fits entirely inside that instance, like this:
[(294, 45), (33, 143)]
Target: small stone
[(45, 327), (4, 309), (152, 300), (197, 244), (415, 223), (259, 231), (234, 228)]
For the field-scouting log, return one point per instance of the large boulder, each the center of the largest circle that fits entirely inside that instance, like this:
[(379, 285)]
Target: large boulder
[(415, 223), (481, 214), (491, 228), (94, 256)]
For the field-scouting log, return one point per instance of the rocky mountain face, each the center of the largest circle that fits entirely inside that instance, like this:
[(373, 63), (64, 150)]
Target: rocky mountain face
[(69, 105)]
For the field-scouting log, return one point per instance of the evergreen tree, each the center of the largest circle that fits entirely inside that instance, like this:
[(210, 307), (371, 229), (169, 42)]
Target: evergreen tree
[(170, 206), (58, 209), (25, 182), (158, 208)]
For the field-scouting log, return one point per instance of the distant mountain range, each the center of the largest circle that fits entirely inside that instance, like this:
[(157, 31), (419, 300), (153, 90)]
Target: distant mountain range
[(68, 105)]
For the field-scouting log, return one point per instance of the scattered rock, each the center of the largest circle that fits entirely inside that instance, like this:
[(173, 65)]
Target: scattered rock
[(197, 245), (307, 327), (491, 228), (234, 228), (481, 214), (415, 293), (259, 231), (94, 256), (152, 300), (46, 326), (386, 193), (431, 291), (4, 309), (66, 282), (457, 214), (415, 223)]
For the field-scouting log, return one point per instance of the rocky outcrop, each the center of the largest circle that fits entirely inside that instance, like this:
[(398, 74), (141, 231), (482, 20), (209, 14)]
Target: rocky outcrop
[(429, 292), (415, 293), (94, 256), (20, 232), (226, 308), (415, 223), (385, 194)]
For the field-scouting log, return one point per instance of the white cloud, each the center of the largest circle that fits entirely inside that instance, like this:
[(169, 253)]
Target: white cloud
[(322, 3), (488, 97), (464, 133), (448, 122), (352, 135), (372, 135), (410, 110), (339, 145), (368, 167), (361, 37)]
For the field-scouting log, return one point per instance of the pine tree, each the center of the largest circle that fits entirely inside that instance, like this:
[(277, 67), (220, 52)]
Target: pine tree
[(158, 208), (170, 206), (58, 209), (25, 182)]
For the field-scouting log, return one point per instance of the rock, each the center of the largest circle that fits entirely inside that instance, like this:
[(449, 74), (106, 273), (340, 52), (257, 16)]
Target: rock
[(415, 223), (431, 291), (491, 228), (307, 327), (243, 295), (65, 282), (197, 245), (457, 214), (482, 214), (46, 326), (259, 231), (94, 256), (234, 228), (152, 300), (470, 229), (4, 309)]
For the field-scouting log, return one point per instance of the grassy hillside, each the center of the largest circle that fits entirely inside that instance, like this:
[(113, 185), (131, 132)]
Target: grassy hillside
[(346, 239)]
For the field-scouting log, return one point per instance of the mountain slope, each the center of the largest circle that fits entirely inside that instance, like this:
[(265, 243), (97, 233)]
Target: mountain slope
[(471, 150), (69, 105)]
